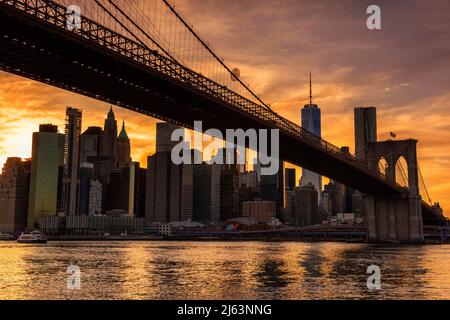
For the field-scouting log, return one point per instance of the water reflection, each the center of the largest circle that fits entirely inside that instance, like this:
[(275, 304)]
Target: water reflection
[(221, 270)]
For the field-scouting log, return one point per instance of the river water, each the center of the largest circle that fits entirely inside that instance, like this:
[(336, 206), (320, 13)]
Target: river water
[(222, 270)]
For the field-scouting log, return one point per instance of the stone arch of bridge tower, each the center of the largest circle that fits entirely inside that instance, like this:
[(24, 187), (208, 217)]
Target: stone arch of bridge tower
[(392, 151), (395, 218)]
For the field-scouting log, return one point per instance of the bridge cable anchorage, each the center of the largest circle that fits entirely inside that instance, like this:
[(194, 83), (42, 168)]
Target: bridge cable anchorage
[(172, 8)]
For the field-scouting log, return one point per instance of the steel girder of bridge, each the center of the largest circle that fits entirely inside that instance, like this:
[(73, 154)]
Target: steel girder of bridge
[(99, 63)]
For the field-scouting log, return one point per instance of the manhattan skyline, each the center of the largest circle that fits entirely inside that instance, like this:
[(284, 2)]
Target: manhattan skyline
[(337, 49)]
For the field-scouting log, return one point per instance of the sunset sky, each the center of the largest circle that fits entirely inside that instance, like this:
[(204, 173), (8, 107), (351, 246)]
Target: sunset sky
[(402, 69)]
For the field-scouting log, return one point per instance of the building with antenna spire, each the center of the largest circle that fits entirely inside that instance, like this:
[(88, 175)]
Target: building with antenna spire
[(311, 121)]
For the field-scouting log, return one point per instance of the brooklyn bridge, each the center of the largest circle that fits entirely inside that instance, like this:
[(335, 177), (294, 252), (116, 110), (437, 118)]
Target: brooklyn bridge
[(146, 57)]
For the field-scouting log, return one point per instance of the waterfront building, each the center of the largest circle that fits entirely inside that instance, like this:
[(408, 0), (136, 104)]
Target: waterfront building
[(358, 205), (326, 201), (118, 196), (289, 209), (272, 188), (339, 197), (95, 197), (95, 225), (290, 179), (86, 174), (46, 174), (229, 193), (248, 179), (71, 161), (306, 206), (169, 187), (260, 211), (14, 192), (90, 143), (140, 191), (206, 204)]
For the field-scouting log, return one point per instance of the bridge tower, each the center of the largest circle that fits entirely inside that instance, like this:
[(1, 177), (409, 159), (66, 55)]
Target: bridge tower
[(395, 218)]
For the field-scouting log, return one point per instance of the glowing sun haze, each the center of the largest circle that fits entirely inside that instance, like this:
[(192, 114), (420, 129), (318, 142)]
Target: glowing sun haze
[(402, 69)]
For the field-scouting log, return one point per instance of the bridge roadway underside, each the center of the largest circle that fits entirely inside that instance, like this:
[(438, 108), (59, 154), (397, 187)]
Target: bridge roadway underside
[(51, 55)]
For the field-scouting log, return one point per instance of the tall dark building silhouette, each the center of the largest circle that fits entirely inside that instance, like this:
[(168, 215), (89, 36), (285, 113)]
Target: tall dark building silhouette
[(90, 143), (164, 131), (229, 193), (119, 190), (100, 147), (14, 192), (123, 148), (290, 179), (46, 174), (306, 206), (86, 174), (169, 186), (206, 193), (311, 121), (273, 189), (140, 192), (229, 183), (365, 129), (109, 144), (71, 161)]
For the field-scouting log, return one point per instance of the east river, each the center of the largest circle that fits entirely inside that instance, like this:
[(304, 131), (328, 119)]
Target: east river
[(222, 270)]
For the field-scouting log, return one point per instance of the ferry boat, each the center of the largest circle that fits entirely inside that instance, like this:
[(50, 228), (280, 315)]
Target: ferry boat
[(33, 237)]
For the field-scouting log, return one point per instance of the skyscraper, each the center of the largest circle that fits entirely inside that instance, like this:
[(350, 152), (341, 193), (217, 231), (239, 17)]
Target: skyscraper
[(14, 191), (46, 170), (90, 143), (365, 129), (206, 206), (306, 206), (339, 198), (123, 148), (118, 197), (169, 187), (86, 174), (109, 140), (272, 188), (311, 122), (164, 131), (229, 193), (95, 197), (139, 195), (71, 161), (290, 179)]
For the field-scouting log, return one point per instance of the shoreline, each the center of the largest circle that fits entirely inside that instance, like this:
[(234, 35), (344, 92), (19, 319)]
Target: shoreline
[(215, 239)]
